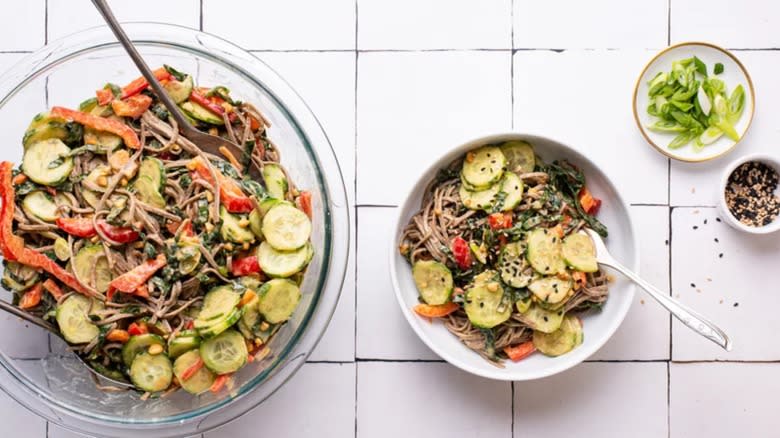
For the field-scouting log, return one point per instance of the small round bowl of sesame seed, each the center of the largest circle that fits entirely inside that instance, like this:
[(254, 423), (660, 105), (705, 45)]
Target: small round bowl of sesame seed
[(748, 198)]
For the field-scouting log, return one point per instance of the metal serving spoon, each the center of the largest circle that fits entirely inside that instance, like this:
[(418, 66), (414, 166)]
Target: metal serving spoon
[(690, 318), (206, 142)]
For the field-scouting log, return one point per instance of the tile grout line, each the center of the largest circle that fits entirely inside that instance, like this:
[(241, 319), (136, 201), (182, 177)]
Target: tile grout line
[(512, 386), (200, 21), (46, 22), (668, 400), (669, 22), (354, 191), (512, 79)]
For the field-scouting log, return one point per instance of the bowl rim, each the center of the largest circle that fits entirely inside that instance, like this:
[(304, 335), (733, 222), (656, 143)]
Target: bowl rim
[(767, 159), (664, 151), (400, 222)]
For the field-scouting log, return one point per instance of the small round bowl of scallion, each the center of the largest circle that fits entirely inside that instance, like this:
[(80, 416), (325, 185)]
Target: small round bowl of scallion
[(694, 101)]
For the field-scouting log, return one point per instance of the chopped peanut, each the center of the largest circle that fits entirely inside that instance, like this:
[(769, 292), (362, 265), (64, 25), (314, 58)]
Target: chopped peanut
[(264, 326), (243, 223), (102, 181), (155, 349), (117, 335), (492, 286), (209, 227), (118, 159), (209, 196)]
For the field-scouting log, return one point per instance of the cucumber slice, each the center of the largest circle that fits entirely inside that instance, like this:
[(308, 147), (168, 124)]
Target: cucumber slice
[(486, 308), (151, 373), (248, 325), (147, 191), (256, 223), (139, 344), (93, 198), (73, 319), (231, 228), (544, 252), (91, 265), (579, 252), (523, 304), (47, 162), (182, 344), (283, 263), (19, 277), (551, 290), (275, 181), (484, 166), (225, 353), (199, 382), (480, 199), (44, 127), (543, 320), (61, 249), (433, 280), (153, 169), (268, 203), (221, 324), (104, 142), (286, 228), (513, 265), (198, 112), (561, 341), (519, 156), (485, 277), (179, 90), (188, 254), (217, 303), (40, 204), (512, 188), (278, 300)]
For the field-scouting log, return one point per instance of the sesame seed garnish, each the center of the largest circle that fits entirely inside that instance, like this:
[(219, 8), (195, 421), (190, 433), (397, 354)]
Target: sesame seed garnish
[(705, 221), (750, 194), (693, 285), (736, 304), (695, 227), (716, 240), (717, 219), (720, 256)]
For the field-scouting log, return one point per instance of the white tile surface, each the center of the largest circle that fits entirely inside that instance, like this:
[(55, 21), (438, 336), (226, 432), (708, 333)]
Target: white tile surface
[(722, 400), (382, 331), (644, 333), (742, 276), (583, 97), (750, 23), (558, 24), (67, 16), (412, 107), (595, 399), (430, 400), (283, 25), (18, 421), (435, 24), (698, 184), (23, 27), (320, 402)]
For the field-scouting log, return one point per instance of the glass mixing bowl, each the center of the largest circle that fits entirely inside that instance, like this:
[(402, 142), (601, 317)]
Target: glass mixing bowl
[(35, 368)]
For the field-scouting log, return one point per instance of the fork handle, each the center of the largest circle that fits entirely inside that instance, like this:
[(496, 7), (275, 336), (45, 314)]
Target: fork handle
[(113, 24), (687, 316)]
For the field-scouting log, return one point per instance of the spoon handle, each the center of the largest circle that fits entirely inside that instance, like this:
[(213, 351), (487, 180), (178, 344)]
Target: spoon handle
[(687, 316), (147, 73)]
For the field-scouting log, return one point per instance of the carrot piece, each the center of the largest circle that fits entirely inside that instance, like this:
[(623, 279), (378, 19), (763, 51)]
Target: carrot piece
[(580, 279), (558, 231), (248, 296), (32, 297), (219, 383), (428, 311), (589, 204), (520, 351), (194, 368), (254, 124), (118, 335), (104, 96), (304, 202), (19, 179), (51, 286), (230, 157), (133, 106)]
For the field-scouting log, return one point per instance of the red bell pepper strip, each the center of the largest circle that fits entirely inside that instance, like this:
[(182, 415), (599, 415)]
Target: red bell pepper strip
[(138, 85), (100, 124), (245, 266), (104, 96), (133, 106), (130, 281), (461, 252), (438, 311), (500, 221), (137, 328), (117, 234), (77, 226), (589, 204), (32, 297), (230, 194), (304, 203), (204, 101), (52, 287), (520, 351)]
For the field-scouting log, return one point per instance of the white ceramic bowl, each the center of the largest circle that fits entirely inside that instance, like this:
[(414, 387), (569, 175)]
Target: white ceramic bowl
[(723, 210), (598, 326), (734, 73)]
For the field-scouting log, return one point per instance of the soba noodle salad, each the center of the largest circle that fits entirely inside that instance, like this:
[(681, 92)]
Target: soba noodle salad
[(160, 265), (497, 255)]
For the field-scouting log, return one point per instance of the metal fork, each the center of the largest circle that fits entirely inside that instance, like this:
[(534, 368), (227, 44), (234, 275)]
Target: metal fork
[(206, 142), (687, 316)]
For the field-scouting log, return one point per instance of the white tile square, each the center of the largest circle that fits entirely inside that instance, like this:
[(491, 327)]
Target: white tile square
[(714, 285), (560, 24), (18, 421), (724, 400), (698, 183), (319, 401), (609, 400), (644, 334), (742, 24), (434, 24), (67, 16), (382, 330), (426, 400), (413, 107), (583, 98), (24, 26), (283, 25)]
